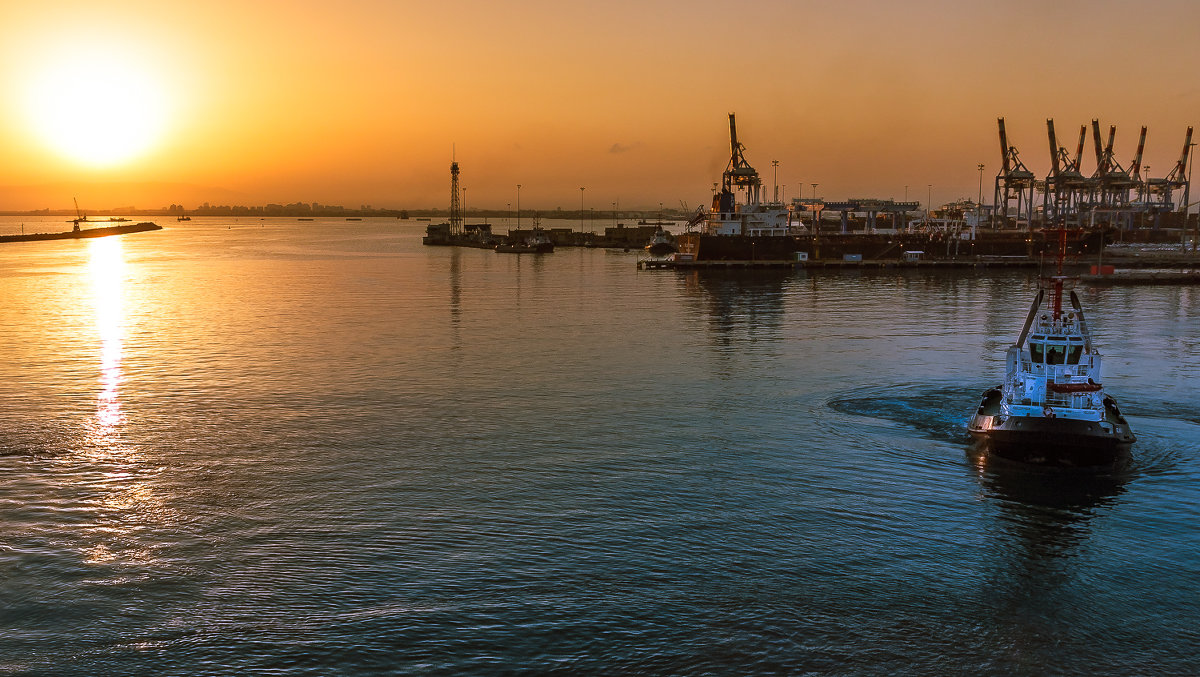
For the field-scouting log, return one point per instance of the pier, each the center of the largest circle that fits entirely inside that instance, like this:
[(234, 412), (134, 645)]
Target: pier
[(873, 264), (1185, 266), (83, 233)]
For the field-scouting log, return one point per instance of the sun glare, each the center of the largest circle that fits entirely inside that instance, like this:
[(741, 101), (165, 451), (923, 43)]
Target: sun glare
[(96, 108)]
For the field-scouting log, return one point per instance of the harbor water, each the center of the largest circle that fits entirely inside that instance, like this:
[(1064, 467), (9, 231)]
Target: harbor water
[(278, 447)]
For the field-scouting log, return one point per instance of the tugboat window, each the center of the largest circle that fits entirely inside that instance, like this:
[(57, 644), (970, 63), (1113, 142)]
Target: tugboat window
[(1056, 354), (1073, 354), (1035, 352)]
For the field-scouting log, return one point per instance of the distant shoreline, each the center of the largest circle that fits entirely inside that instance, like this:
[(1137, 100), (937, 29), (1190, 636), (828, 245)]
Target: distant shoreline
[(334, 212)]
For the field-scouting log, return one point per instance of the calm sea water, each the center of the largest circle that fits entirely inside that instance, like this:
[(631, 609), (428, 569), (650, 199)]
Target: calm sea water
[(247, 447)]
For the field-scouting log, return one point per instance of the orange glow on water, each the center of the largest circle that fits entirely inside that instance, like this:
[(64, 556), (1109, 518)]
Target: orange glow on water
[(106, 267)]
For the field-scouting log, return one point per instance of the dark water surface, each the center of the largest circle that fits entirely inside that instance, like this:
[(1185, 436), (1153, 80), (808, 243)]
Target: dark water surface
[(321, 448)]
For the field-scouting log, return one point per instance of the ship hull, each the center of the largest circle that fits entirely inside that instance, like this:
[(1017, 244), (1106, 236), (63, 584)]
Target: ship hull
[(1051, 441), (832, 246)]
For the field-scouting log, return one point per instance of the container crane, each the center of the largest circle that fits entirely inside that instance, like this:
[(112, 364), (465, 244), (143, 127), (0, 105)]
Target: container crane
[(1066, 188), (1014, 183)]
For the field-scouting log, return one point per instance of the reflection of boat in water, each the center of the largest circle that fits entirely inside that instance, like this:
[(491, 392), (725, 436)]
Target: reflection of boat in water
[(661, 243), (1051, 408)]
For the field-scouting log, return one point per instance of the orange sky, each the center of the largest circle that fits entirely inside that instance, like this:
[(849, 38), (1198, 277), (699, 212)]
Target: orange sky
[(361, 101)]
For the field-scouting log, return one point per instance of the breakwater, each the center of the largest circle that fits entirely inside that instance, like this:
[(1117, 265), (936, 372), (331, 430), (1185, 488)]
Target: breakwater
[(83, 233)]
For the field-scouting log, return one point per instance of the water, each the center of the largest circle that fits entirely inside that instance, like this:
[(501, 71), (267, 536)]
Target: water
[(238, 447)]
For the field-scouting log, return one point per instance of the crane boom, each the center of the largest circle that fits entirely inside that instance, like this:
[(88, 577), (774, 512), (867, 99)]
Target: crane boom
[(1079, 148), (1053, 146), (1003, 147), (733, 142), (1136, 168), (1178, 173)]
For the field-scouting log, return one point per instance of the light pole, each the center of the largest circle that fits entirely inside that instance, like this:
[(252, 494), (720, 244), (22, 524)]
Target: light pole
[(979, 203), (816, 212), (775, 177), (1142, 196), (1187, 190), (518, 206), (1187, 196), (581, 209), (928, 201)]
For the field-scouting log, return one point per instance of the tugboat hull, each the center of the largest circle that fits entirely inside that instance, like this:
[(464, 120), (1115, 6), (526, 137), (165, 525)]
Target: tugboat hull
[(1052, 441)]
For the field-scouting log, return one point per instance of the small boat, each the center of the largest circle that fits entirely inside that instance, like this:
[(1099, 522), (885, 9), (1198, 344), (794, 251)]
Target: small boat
[(661, 243), (515, 248), (184, 218), (1051, 408), (540, 242), (537, 243)]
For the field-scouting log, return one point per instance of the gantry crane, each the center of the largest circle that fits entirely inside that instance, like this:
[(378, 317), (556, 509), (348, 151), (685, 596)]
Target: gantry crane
[(1014, 183), (1066, 187), (738, 175)]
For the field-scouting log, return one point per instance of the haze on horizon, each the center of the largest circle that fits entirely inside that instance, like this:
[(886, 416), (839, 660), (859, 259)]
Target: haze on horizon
[(145, 104)]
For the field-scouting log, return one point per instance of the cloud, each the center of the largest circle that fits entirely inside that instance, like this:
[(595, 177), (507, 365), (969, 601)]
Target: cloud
[(622, 148)]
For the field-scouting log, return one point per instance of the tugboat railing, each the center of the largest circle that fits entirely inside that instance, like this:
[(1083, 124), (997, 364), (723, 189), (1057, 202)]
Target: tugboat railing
[(1061, 373)]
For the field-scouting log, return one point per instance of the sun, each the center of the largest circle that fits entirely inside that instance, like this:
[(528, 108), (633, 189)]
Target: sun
[(96, 107)]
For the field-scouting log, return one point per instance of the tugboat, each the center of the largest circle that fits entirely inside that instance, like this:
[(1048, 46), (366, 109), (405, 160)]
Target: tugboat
[(660, 244), (537, 243), (1052, 408)]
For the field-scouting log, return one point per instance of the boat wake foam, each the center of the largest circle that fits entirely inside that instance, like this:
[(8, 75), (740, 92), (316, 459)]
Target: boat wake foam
[(932, 411)]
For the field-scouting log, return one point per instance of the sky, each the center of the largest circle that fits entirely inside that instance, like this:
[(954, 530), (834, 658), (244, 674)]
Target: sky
[(367, 101)]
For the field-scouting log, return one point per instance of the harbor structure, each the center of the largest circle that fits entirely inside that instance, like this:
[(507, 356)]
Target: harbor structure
[(1114, 195), (749, 215)]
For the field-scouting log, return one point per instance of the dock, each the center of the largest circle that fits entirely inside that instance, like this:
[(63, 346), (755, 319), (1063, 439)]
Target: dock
[(835, 264), (1141, 277)]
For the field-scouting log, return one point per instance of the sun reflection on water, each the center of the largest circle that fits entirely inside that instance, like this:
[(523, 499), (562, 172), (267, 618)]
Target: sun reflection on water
[(106, 267), (124, 497)]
